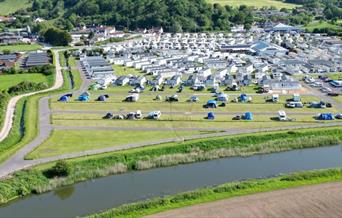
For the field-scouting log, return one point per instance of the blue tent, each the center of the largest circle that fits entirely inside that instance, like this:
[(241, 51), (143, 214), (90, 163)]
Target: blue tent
[(211, 116), (212, 104), (326, 117), (64, 98), (83, 98), (243, 98), (248, 116), (102, 98)]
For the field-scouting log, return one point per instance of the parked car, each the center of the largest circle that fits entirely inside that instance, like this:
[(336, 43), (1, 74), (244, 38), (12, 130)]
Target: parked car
[(338, 116), (293, 104), (108, 116), (155, 115)]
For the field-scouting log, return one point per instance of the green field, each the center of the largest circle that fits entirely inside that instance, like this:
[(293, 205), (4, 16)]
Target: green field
[(256, 3), (7, 81), (319, 25), (21, 47), (124, 71), (10, 6)]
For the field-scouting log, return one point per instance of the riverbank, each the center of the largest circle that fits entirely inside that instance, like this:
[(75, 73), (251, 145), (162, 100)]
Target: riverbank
[(34, 180), (225, 191)]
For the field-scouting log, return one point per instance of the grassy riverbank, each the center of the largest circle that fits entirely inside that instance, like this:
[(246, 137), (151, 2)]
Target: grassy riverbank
[(224, 191), (85, 168)]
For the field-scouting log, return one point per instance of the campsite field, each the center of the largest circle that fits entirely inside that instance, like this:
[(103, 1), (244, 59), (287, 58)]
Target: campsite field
[(20, 47), (7, 81), (10, 6), (71, 141), (257, 3)]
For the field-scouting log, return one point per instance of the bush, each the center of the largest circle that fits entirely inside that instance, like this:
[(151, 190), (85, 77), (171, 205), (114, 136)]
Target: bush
[(61, 169), (25, 86)]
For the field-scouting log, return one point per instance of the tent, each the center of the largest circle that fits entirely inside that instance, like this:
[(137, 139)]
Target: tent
[(102, 98), (243, 98), (211, 104), (83, 98), (248, 116), (64, 98), (211, 116), (326, 117), (222, 97)]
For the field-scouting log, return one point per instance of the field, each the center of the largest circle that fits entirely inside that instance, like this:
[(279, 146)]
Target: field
[(10, 6), (71, 141), (7, 81), (124, 71), (311, 26), (21, 47), (256, 3), (282, 203)]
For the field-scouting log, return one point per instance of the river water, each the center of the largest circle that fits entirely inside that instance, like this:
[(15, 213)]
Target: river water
[(104, 193)]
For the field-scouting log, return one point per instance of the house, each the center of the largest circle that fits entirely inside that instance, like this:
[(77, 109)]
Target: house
[(8, 61), (283, 28)]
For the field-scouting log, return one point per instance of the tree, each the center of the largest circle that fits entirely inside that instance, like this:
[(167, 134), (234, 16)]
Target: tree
[(60, 169), (57, 37)]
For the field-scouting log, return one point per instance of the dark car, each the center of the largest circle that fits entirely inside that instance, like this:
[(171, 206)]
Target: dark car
[(334, 94)]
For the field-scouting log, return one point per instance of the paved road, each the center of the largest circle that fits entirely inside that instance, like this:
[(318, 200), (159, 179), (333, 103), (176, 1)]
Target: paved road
[(8, 121)]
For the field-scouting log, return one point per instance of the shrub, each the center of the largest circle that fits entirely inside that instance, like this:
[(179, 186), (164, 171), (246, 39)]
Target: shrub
[(60, 169)]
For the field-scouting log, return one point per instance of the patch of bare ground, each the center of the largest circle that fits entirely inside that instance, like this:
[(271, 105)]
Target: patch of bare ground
[(324, 200)]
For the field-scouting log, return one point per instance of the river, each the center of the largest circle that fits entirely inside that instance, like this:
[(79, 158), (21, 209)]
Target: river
[(104, 193)]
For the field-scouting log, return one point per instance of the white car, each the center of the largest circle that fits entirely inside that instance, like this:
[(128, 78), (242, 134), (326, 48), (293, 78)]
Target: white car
[(155, 115)]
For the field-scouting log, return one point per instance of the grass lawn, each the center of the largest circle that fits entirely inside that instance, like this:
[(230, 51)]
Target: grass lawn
[(124, 71), (256, 3), (7, 81), (63, 142), (22, 47), (10, 6), (311, 26)]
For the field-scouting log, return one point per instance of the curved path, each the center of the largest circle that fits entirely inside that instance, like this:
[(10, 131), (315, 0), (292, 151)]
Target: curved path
[(17, 161), (323, 200), (8, 121)]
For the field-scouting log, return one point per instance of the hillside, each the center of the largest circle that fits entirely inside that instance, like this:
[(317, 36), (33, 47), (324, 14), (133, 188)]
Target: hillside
[(11, 6), (256, 3), (172, 15)]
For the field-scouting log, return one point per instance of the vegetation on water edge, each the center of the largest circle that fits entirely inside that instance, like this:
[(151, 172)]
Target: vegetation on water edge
[(34, 180), (220, 192)]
